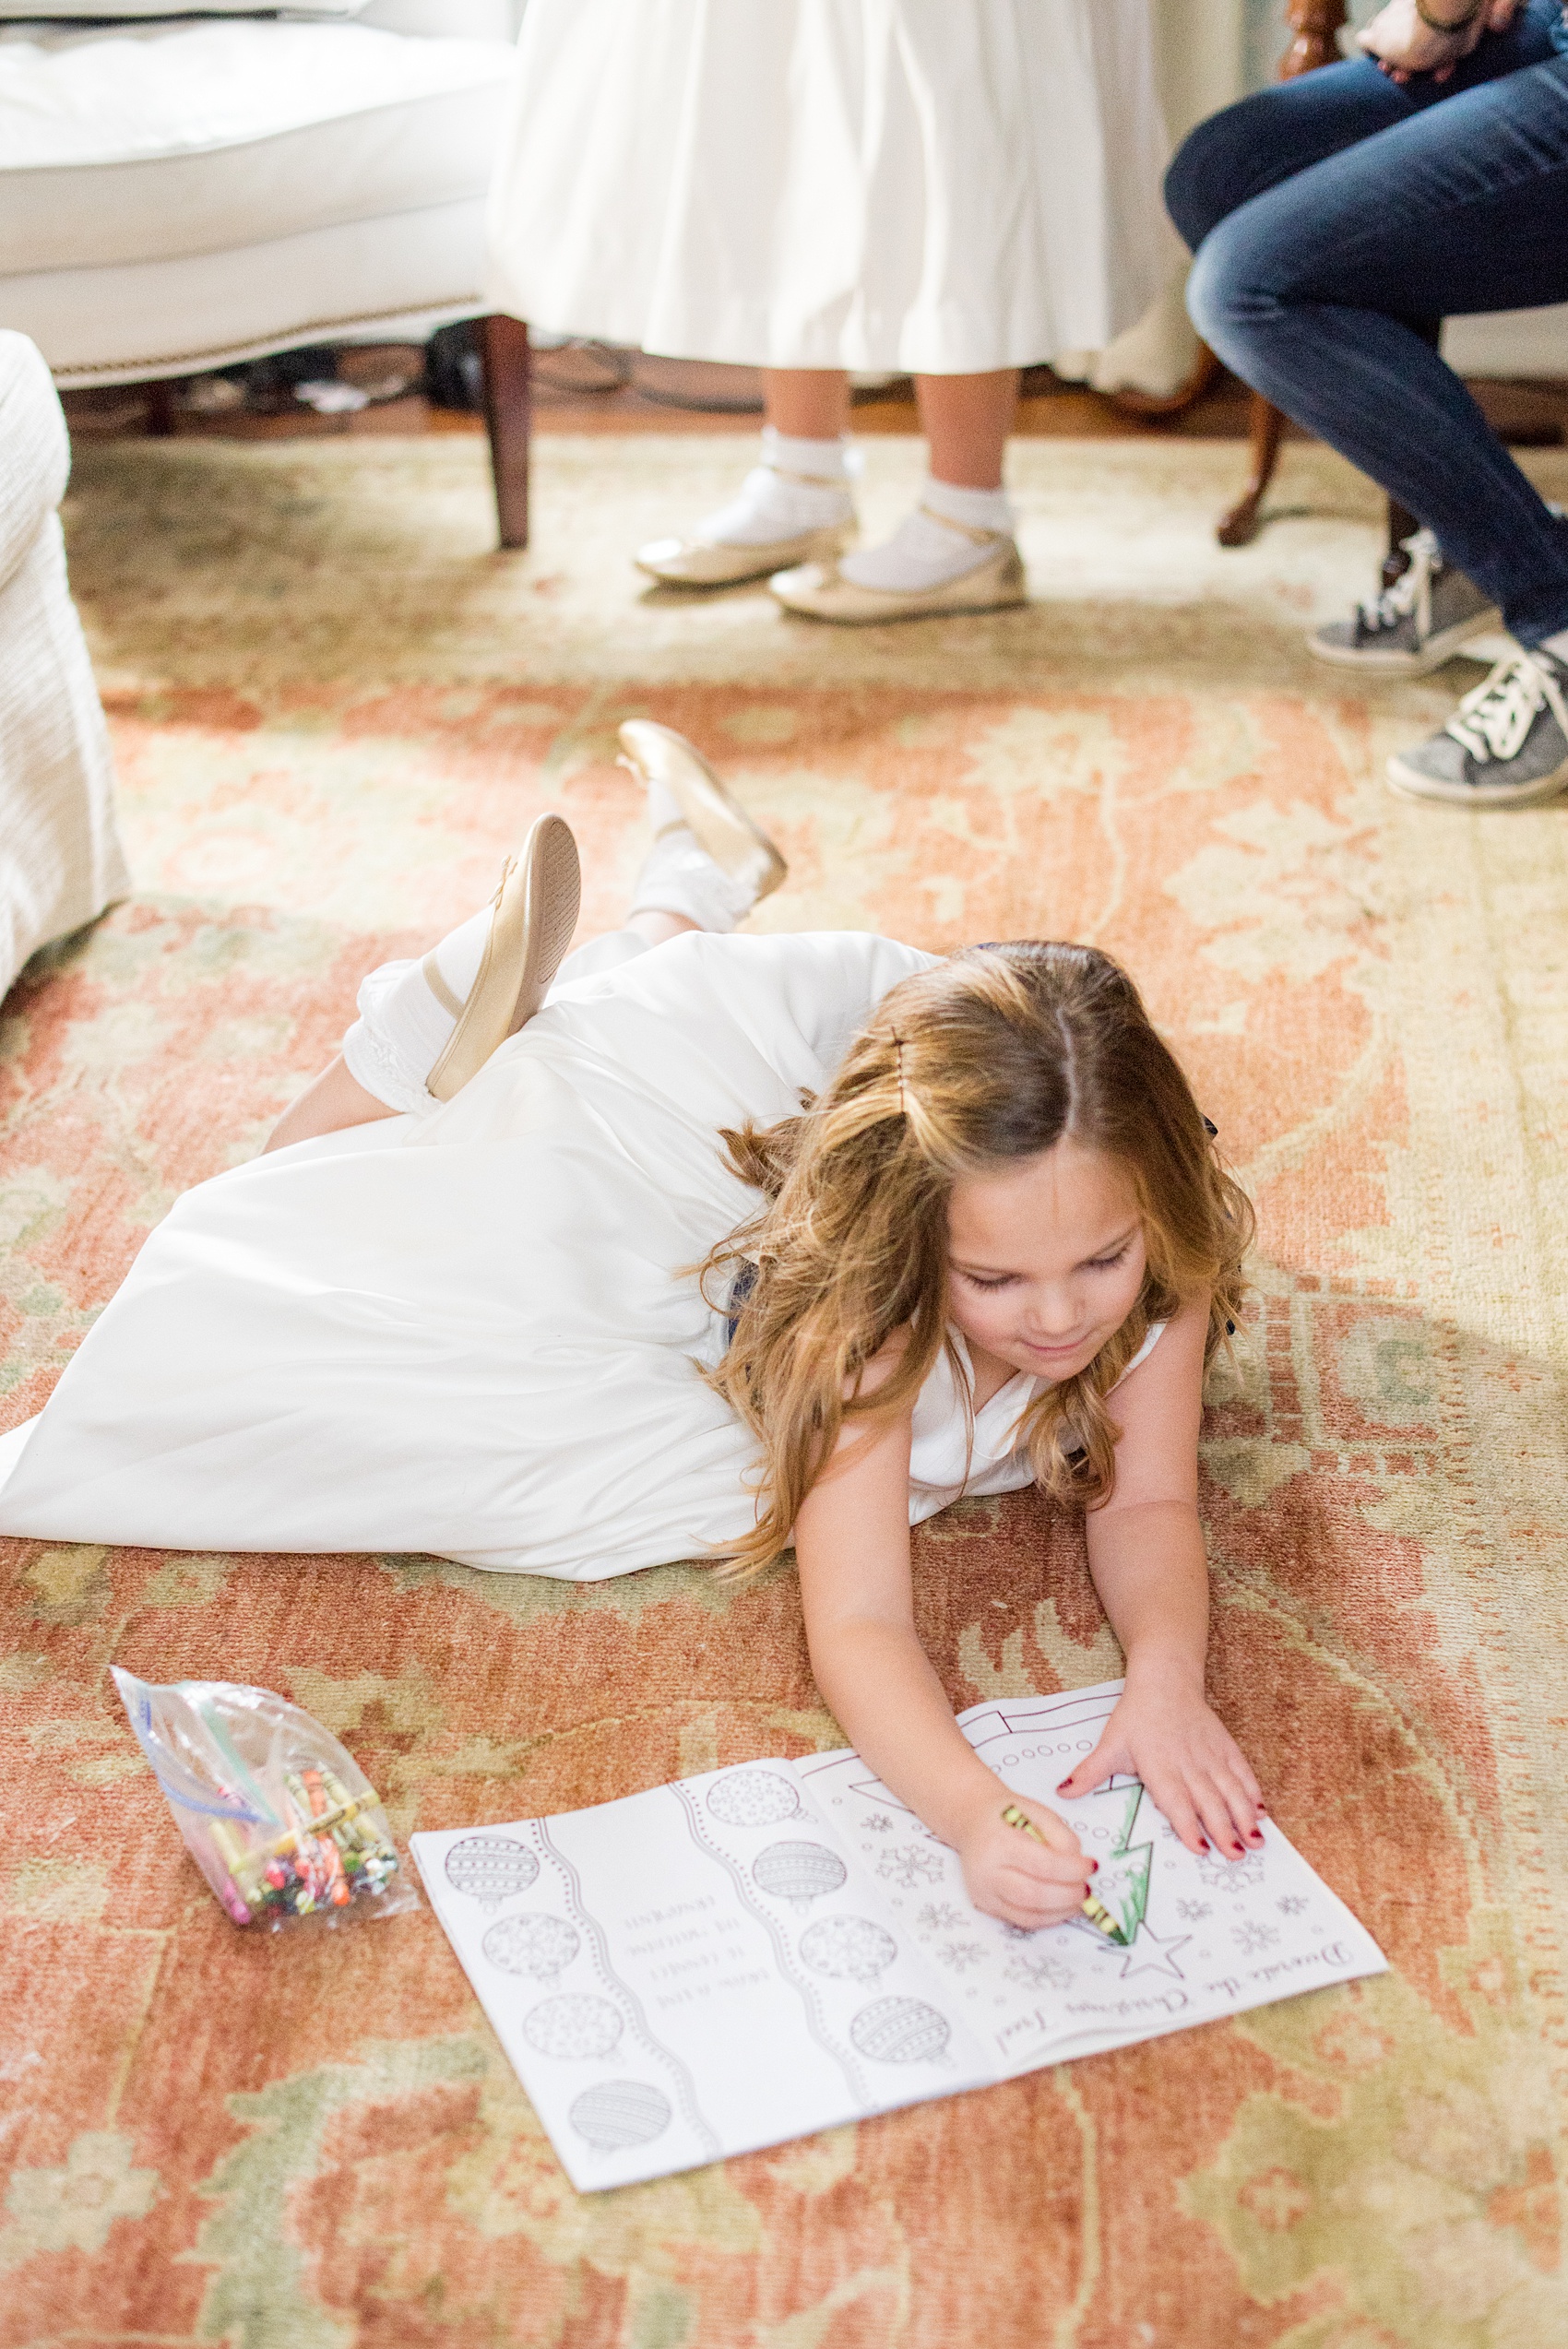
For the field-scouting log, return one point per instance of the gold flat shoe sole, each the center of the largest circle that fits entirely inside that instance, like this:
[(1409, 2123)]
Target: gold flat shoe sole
[(820, 591), (534, 915), (694, 563), (737, 844)]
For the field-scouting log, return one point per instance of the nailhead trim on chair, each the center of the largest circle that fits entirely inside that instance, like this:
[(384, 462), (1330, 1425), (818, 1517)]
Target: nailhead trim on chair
[(310, 331)]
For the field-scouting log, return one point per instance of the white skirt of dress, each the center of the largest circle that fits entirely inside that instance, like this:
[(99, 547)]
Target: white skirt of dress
[(944, 187), (476, 1333)]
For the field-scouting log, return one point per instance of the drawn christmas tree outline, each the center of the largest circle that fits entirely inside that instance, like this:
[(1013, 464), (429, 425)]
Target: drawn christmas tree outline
[(1122, 1884)]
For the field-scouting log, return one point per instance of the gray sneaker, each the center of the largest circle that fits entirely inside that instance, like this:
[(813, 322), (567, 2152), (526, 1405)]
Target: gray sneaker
[(1415, 625), (1505, 745)]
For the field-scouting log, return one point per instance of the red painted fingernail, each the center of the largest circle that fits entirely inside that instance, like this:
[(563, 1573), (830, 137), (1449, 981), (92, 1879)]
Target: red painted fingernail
[(1094, 1867), (1202, 1842), (1063, 1786)]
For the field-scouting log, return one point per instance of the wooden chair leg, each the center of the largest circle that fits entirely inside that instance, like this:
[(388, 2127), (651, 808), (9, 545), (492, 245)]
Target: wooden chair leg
[(1237, 528), (1402, 524), (505, 346), (160, 408), (1314, 41)]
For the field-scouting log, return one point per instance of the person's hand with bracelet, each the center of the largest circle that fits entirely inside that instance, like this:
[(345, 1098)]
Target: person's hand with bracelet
[(1430, 36)]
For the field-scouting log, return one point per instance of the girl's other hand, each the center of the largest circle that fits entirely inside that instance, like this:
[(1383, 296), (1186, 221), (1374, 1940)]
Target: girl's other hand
[(1192, 1766), (1011, 1876)]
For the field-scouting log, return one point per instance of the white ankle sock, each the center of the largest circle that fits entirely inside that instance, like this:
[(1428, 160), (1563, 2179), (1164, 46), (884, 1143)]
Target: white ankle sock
[(772, 505), (924, 551), (680, 877), (403, 1026), (828, 458), (980, 509)]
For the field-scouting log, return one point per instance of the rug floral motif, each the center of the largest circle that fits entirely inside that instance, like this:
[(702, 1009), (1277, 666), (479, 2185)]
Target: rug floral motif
[(334, 708)]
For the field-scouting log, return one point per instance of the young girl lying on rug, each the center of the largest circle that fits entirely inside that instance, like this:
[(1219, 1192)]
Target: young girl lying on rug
[(959, 1226)]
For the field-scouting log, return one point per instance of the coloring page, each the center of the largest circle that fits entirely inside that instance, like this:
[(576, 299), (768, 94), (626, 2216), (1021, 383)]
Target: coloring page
[(691, 1973), (772, 1949), (1201, 1937)]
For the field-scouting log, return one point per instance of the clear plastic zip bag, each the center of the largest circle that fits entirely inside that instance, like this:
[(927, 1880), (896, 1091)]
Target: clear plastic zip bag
[(280, 1820)]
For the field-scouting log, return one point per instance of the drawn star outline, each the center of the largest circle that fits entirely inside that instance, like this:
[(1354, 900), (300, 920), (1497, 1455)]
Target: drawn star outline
[(1154, 1953)]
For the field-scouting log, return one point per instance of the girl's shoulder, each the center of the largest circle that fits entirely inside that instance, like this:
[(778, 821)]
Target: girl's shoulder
[(1155, 1332)]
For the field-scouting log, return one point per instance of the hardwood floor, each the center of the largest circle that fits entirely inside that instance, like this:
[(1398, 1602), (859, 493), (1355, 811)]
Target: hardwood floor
[(585, 390)]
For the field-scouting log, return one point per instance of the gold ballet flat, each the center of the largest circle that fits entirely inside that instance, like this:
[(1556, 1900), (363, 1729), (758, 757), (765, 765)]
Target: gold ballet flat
[(820, 591), (531, 921), (698, 562), (711, 563), (737, 845)]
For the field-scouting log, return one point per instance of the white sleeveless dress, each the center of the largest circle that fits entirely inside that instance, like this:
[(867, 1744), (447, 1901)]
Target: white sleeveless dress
[(946, 186), (476, 1333)]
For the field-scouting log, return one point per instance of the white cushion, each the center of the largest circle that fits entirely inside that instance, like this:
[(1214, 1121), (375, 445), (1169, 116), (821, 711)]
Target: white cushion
[(146, 143), (394, 279)]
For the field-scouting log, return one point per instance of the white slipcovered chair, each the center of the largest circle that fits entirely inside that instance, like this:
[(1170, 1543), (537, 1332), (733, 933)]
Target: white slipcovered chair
[(60, 858), (180, 192)]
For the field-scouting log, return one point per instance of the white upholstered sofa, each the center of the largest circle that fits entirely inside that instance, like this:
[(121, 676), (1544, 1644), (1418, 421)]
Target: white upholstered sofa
[(60, 860), (177, 193)]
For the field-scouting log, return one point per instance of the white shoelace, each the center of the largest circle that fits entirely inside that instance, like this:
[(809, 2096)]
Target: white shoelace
[(1411, 592), (1494, 718)]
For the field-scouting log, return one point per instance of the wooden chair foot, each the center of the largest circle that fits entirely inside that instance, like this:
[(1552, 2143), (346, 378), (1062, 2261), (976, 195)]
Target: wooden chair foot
[(1242, 525), (504, 344)]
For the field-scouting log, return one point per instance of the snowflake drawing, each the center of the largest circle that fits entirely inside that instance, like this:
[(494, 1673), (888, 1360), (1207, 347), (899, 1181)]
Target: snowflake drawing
[(1193, 1912), (910, 1865), (941, 1916), (1232, 1875), (1252, 1939), (1037, 1970), (879, 1824), (961, 1955), (1291, 1904)]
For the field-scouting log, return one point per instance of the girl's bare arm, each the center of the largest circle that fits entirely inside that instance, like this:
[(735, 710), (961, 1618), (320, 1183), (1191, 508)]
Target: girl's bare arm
[(1145, 1550), (853, 1545)]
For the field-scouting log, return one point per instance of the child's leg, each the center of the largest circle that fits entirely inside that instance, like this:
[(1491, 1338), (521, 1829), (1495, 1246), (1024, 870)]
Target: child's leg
[(793, 505), (331, 1103), (955, 550), (408, 1009), (395, 1026), (963, 508)]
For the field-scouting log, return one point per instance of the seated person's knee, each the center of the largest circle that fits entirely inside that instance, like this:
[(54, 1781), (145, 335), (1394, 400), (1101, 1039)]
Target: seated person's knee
[(1213, 170)]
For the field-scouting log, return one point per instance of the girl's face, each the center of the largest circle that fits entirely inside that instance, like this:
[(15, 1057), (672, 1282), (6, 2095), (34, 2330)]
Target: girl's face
[(1045, 1259)]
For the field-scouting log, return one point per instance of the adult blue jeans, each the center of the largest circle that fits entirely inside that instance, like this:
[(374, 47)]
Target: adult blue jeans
[(1338, 219)]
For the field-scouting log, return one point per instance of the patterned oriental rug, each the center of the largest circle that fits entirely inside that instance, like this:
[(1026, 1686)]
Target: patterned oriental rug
[(334, 708)]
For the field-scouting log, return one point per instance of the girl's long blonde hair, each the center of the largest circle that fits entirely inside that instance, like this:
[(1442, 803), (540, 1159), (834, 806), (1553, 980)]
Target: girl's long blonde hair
[(992, 1056)]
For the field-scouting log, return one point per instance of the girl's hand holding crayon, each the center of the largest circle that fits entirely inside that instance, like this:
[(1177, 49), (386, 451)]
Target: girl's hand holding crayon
[(1194, 1769), (1022, 1880)]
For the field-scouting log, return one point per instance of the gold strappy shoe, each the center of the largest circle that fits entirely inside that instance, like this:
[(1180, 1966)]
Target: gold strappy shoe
[(531, 922), (711, 563), (737, 845), (995, 582)]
